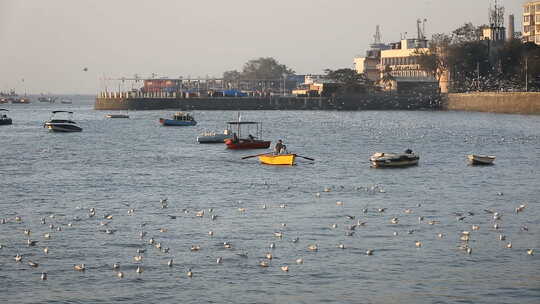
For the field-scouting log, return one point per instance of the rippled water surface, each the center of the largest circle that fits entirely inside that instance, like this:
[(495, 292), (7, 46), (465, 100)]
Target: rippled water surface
[(118, 164)]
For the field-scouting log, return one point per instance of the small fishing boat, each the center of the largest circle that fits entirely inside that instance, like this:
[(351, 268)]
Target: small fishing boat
[(117, 116), (480, 159), (213, 137), (394, 160), (62, 125), (236, 142), (66, 101), (277, 159), (48, 99), (21, 100), (4, 119), (179, 119)]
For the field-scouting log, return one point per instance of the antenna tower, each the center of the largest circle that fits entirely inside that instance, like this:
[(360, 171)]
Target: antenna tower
[(496, 15)]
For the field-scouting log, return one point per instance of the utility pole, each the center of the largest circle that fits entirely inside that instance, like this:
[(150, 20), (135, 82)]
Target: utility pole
[(526, 74), (478, 75)]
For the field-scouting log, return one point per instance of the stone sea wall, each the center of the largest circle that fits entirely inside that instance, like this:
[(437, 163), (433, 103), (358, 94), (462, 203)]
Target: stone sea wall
[(496, 102), (347, 103)]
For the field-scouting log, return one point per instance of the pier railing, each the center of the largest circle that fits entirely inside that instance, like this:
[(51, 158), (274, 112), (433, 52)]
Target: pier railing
[(171, 95)]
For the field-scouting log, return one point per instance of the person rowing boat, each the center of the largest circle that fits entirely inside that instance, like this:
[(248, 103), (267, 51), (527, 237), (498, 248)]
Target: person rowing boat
[(280, 148)]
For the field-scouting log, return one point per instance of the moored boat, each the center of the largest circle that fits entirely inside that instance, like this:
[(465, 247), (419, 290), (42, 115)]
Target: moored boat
[(213, 137), (4, 119), (117, 116), (62, 125), (179, 119), (475, 159), (20, 100), (277, 159), (394, 160), (236, 142)]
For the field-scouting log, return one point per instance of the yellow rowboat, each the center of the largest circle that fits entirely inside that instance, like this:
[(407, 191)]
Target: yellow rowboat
[(280, 159)]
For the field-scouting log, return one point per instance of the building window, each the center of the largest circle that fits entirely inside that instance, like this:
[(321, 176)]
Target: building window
[(538, 7), (526, 19), (526, 29), (537, 18)]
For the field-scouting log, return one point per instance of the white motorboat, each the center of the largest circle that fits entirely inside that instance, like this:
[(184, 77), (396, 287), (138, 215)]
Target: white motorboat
[(475, 159), (213, 137), (4, 119), (394, 160), (62, 125)]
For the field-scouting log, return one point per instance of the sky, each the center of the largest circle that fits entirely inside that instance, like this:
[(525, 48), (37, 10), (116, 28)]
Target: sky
[(45, 45)]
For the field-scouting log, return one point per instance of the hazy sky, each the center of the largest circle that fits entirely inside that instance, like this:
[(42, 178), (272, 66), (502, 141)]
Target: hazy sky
[(48, 43)]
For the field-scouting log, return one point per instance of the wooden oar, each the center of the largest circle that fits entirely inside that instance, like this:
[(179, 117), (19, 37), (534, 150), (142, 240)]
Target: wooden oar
[(251, 156), (308, 158)]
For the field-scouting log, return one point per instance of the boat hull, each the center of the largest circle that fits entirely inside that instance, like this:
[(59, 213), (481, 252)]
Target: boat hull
[(213, 139), (391, 160), (177, 123), (480, 160), (277, 160), (244, 144), (62, 127), (4, 122), (117, 116)]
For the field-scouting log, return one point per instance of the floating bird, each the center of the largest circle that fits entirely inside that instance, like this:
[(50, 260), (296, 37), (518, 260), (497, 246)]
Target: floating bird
[(264, 263), (524, 228), (381, 210), (195, 248), (339, 203), (469, 250), (31, 243), (317, 194), (151, 241), (243, 254), (502, 237), (242, 209), (44, 276), (139, 269), (18, 258), (140, 250), (200, 213), (18, 219), (32, 264), (264, 206), (190, 273), (433, 222), (163, 230), (369, 252), (278, 234), (283, 206), (395, 233), (300, 261), (394, 220), (269, 256), (408, 211), (418, 244), (341, 246), (440, 235), (313, 247), (164, 203), (496, 226), (285, 268), (465, 238), (219, 260), (227, 245), (475, 227), (530, 251), (120, 274), (334, 226), (509, 245), (272, 245), (520, 208), (27, 232), (2, 221), (46, 250), (296, 239), (80, 267), (138, 258), (210, 233), (170, 263), (364, 210), (349, 233), (213, 217), (116, 266), (420, 218)]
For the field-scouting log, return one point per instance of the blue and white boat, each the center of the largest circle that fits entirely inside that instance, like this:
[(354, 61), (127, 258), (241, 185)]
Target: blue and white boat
[(179, 119)]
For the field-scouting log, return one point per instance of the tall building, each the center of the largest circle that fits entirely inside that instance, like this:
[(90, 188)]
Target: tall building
[(511, 28), (531, 22)]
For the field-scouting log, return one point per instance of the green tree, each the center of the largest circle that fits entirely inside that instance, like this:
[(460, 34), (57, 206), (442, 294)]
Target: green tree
[(435, 60), (261, 68), (348, 79)]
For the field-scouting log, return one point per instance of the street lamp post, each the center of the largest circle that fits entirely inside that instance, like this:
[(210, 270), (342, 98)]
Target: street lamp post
[(284, 78), (526, 74)]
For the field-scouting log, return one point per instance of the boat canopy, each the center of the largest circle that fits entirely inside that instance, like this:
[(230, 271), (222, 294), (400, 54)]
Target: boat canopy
[(54, 112), (3, 109)]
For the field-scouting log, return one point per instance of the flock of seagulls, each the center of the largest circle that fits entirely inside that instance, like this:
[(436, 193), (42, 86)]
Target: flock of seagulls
[(39, 239)]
